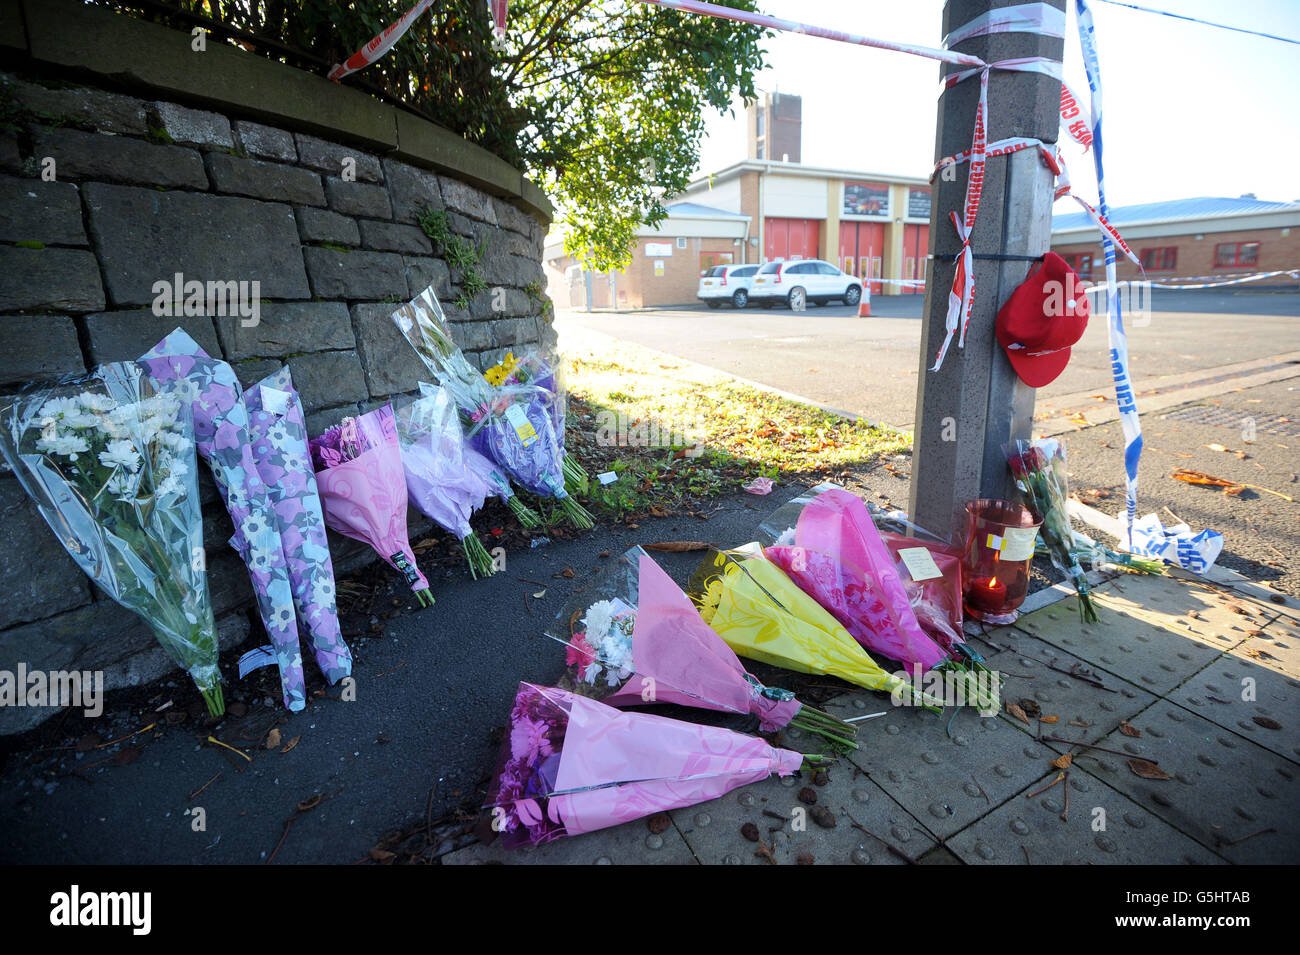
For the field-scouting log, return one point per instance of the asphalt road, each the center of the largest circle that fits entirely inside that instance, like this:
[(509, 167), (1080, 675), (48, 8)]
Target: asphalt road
[(868, 366)]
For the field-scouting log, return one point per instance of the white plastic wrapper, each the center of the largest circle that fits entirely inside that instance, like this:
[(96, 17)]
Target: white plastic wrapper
[(111, 467)]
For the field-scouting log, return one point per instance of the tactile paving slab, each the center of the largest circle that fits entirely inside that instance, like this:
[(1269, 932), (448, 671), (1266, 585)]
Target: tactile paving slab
[(1156, 656), (1202, 612), (1277, 647), (1035, 670), (1266, 710), (787, 827), (629, 844), (1232, 796), (1030, 831), (944, 782)]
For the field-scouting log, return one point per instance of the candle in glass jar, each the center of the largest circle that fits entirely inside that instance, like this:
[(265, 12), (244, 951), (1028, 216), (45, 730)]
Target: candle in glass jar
[(988, 594)]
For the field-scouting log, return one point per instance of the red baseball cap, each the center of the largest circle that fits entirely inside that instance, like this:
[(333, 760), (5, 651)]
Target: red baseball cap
[(1044, 316)]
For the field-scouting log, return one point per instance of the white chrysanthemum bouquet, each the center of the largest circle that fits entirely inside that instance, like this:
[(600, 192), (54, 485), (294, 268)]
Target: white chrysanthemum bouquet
[(111, 467)]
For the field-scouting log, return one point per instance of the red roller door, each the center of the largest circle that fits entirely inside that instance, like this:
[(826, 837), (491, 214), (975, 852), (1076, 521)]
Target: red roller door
[(791, 238), (916, 246), (862, 246)]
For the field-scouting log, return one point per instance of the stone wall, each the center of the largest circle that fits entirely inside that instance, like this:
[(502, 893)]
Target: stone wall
[(145, 186)]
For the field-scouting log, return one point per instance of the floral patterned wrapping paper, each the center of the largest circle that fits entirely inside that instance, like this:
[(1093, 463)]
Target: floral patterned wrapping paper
[(180, 367), (279, 430)]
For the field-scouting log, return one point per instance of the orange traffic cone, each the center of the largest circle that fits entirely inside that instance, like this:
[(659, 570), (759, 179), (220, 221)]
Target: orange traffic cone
[(864, 305)]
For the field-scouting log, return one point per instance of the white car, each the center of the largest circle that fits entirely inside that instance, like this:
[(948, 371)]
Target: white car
[(726, 283), (798, 282)]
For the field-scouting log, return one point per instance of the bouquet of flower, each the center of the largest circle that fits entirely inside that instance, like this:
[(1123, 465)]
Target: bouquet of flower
[(359, 472), (535, 370), (644, 642), (764, 615), (111, 467), (224, 436), (488, 474), (570, 765), (277, 425), (833, 551), (512, 424), (1039, 470), (438, 482)]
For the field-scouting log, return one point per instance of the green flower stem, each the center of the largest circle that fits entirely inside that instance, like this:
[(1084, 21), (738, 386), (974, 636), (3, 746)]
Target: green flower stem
[(424, 597), (577, 515), (815, 761), (524, 514), (476, 556), (824, 731)]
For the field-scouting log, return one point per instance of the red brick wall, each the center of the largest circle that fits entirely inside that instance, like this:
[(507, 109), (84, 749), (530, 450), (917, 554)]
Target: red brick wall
[(1197, 257)]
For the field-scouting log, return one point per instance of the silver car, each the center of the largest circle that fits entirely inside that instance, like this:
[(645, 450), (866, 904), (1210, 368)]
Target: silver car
[(726, 283), (798, 282)]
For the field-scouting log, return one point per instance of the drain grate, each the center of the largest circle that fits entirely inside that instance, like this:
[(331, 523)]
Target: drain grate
[(1236, 420)]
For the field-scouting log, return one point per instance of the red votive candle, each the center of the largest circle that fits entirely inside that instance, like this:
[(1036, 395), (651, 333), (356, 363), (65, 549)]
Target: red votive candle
[(988, 594)]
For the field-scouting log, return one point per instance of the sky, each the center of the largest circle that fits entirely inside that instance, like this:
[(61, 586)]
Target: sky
[(1190, 110)]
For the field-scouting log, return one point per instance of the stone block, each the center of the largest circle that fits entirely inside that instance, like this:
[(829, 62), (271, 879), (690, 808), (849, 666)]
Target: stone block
[(266, 142), (264, 180), (49, 280), (33, 210), (355, 275), (358, 198), (321, 225), (143, 236), (287, 328), (80, 155), (38, 347)]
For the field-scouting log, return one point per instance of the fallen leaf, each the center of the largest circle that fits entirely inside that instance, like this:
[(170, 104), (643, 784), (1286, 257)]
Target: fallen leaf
[(1147, 769), (1267, 723), (273, 738), (1217, 447), (540, 594), (382, 855), (678, 547), (1049, 719), (309, 804), (1031, 708), (291, 744), (1063, 761), (1128, 729), (1018, 713), (1079, 723)]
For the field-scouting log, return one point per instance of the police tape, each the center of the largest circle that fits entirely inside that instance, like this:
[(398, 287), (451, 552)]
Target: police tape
[(383, 42), (1294, 273)]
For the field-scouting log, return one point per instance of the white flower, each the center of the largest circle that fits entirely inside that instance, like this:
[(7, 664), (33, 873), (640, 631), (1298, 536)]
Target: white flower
[(786, 539), (178, 468), (58, 407), (69, 445), (97, 403), (120, 454), (599, 618), (81, 420), (123, 485), (174, 441), (170, 485)]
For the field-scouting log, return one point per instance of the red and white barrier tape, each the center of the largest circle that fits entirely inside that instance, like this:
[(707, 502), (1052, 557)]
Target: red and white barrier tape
[(381, 44)]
